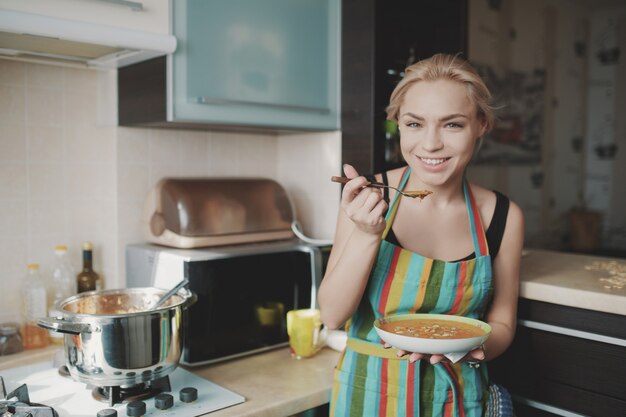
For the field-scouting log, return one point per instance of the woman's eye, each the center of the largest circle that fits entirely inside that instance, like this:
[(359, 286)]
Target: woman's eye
[(454, 125), (413, 124)]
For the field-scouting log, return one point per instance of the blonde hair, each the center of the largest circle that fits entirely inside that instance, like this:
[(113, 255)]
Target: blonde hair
[(445, 67)]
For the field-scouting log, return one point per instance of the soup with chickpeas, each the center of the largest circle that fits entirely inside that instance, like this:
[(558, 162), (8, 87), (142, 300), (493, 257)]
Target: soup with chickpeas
[(432, 329)]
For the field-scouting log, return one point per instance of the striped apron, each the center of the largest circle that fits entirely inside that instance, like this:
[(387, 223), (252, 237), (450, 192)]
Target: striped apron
[(371, 381)]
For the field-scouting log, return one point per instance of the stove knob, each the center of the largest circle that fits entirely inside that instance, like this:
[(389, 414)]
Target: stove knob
[(136, 409), (163, 401), (188, 394), (107, 412)]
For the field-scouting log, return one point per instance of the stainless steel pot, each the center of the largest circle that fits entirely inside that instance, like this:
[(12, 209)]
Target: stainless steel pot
[(111, 340)]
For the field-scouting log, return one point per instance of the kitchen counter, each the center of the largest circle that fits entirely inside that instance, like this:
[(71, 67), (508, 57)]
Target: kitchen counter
[(273, 383), (575, 280)]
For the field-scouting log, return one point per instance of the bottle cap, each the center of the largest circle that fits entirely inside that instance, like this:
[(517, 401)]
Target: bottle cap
[(33, 267), (7, 329), (87, 246), (60, 248)]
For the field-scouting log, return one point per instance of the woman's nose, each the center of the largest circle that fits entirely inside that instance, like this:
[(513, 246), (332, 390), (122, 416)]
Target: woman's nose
[(432, 140)]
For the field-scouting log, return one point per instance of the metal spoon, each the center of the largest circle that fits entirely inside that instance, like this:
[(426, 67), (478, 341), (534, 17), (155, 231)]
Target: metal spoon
[(168, 294), (411, 194)]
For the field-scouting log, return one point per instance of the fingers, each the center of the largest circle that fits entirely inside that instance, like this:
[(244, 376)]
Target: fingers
[(416, 357), (363, 205), (435, 359), (349, 171), (477, 354)]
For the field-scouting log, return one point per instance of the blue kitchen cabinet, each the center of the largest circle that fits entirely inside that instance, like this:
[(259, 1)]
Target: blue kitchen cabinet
[(256, 63), (241, 65)]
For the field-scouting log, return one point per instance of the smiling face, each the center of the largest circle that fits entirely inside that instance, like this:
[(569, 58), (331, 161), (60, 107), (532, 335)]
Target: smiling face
[(439, 128)]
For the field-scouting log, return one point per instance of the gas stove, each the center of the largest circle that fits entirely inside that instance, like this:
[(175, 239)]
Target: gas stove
[(40, 390)]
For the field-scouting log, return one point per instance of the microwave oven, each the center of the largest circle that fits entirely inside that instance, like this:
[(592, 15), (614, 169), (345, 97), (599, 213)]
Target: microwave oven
[(244, 292)]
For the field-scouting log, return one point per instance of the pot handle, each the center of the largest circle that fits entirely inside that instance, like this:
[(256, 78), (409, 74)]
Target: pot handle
[(192, 297), (58, 324)]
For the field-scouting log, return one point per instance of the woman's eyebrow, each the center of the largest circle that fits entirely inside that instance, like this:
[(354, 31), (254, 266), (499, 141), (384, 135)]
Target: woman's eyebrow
[(442, 119)]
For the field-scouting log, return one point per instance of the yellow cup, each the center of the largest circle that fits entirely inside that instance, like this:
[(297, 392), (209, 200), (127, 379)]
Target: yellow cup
[(307, 335)]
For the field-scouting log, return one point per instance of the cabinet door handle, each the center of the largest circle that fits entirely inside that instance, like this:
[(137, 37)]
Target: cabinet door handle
[(545, 407), (227, 101), (572, 332), (135, 6)]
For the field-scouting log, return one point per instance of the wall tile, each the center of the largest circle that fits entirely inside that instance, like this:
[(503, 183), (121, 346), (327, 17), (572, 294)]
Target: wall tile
[(12, 143), (46, 181), (305, 164), (13, 180), (81, 109), (164, 147), (132, 181), (46, 217), (77, 80), (45, 144), (90, 144), (257, 156), (91, 181), (193, 153), (45, 76), (12, 105), (132, 145), (224, 158), (13, 218), (12, 72), (160, 171), (41, 249), (13, 260), (130, 215), (44, 107)]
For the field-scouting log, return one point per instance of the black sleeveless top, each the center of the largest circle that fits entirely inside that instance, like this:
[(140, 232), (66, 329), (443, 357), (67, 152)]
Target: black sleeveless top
[(494, 232)]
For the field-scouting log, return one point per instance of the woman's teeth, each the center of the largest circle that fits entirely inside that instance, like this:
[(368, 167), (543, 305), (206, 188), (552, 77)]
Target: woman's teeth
[(433, 161)]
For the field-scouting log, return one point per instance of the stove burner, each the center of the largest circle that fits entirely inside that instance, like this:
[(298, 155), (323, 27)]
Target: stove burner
[(17, 403), (114, 395)]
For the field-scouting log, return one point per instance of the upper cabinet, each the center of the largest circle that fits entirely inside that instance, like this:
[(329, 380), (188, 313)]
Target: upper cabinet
[(242, 64), (140, 15)]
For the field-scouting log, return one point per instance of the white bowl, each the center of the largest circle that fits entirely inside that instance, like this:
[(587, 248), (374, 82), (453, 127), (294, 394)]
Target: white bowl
[(432, 346)]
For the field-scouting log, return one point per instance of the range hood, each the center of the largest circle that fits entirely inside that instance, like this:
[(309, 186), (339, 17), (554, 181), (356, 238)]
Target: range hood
[(36, 37)]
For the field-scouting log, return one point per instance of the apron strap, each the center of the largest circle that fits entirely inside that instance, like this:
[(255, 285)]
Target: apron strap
[(476, 225), (373, 349), (393, 208)]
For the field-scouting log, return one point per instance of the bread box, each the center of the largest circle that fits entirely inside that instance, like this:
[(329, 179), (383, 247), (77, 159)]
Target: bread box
[(201, 212)]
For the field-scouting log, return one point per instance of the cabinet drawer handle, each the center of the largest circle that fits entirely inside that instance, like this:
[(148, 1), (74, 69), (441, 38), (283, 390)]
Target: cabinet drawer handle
[(135, 6), (545, 407), (572, 332), (217, 100)]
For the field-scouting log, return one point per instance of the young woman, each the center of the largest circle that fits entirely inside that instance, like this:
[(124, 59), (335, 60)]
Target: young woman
[(455, 252)]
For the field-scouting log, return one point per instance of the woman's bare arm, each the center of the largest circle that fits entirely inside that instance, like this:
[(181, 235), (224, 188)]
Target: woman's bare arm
[(502, 316)]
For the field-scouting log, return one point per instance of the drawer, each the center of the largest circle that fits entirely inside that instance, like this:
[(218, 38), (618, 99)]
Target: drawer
[(571, 360)]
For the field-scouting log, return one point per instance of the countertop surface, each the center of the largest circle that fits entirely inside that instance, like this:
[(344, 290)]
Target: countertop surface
[(273, 383), (575, 280)]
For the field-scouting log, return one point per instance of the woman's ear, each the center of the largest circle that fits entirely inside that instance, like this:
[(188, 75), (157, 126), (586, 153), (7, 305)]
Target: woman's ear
[(483, 128)]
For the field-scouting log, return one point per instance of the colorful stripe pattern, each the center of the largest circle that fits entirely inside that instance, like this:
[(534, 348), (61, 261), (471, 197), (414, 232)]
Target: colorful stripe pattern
[(369, 382)]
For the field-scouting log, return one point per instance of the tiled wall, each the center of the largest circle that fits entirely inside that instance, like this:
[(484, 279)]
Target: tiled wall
[(68, 174)]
